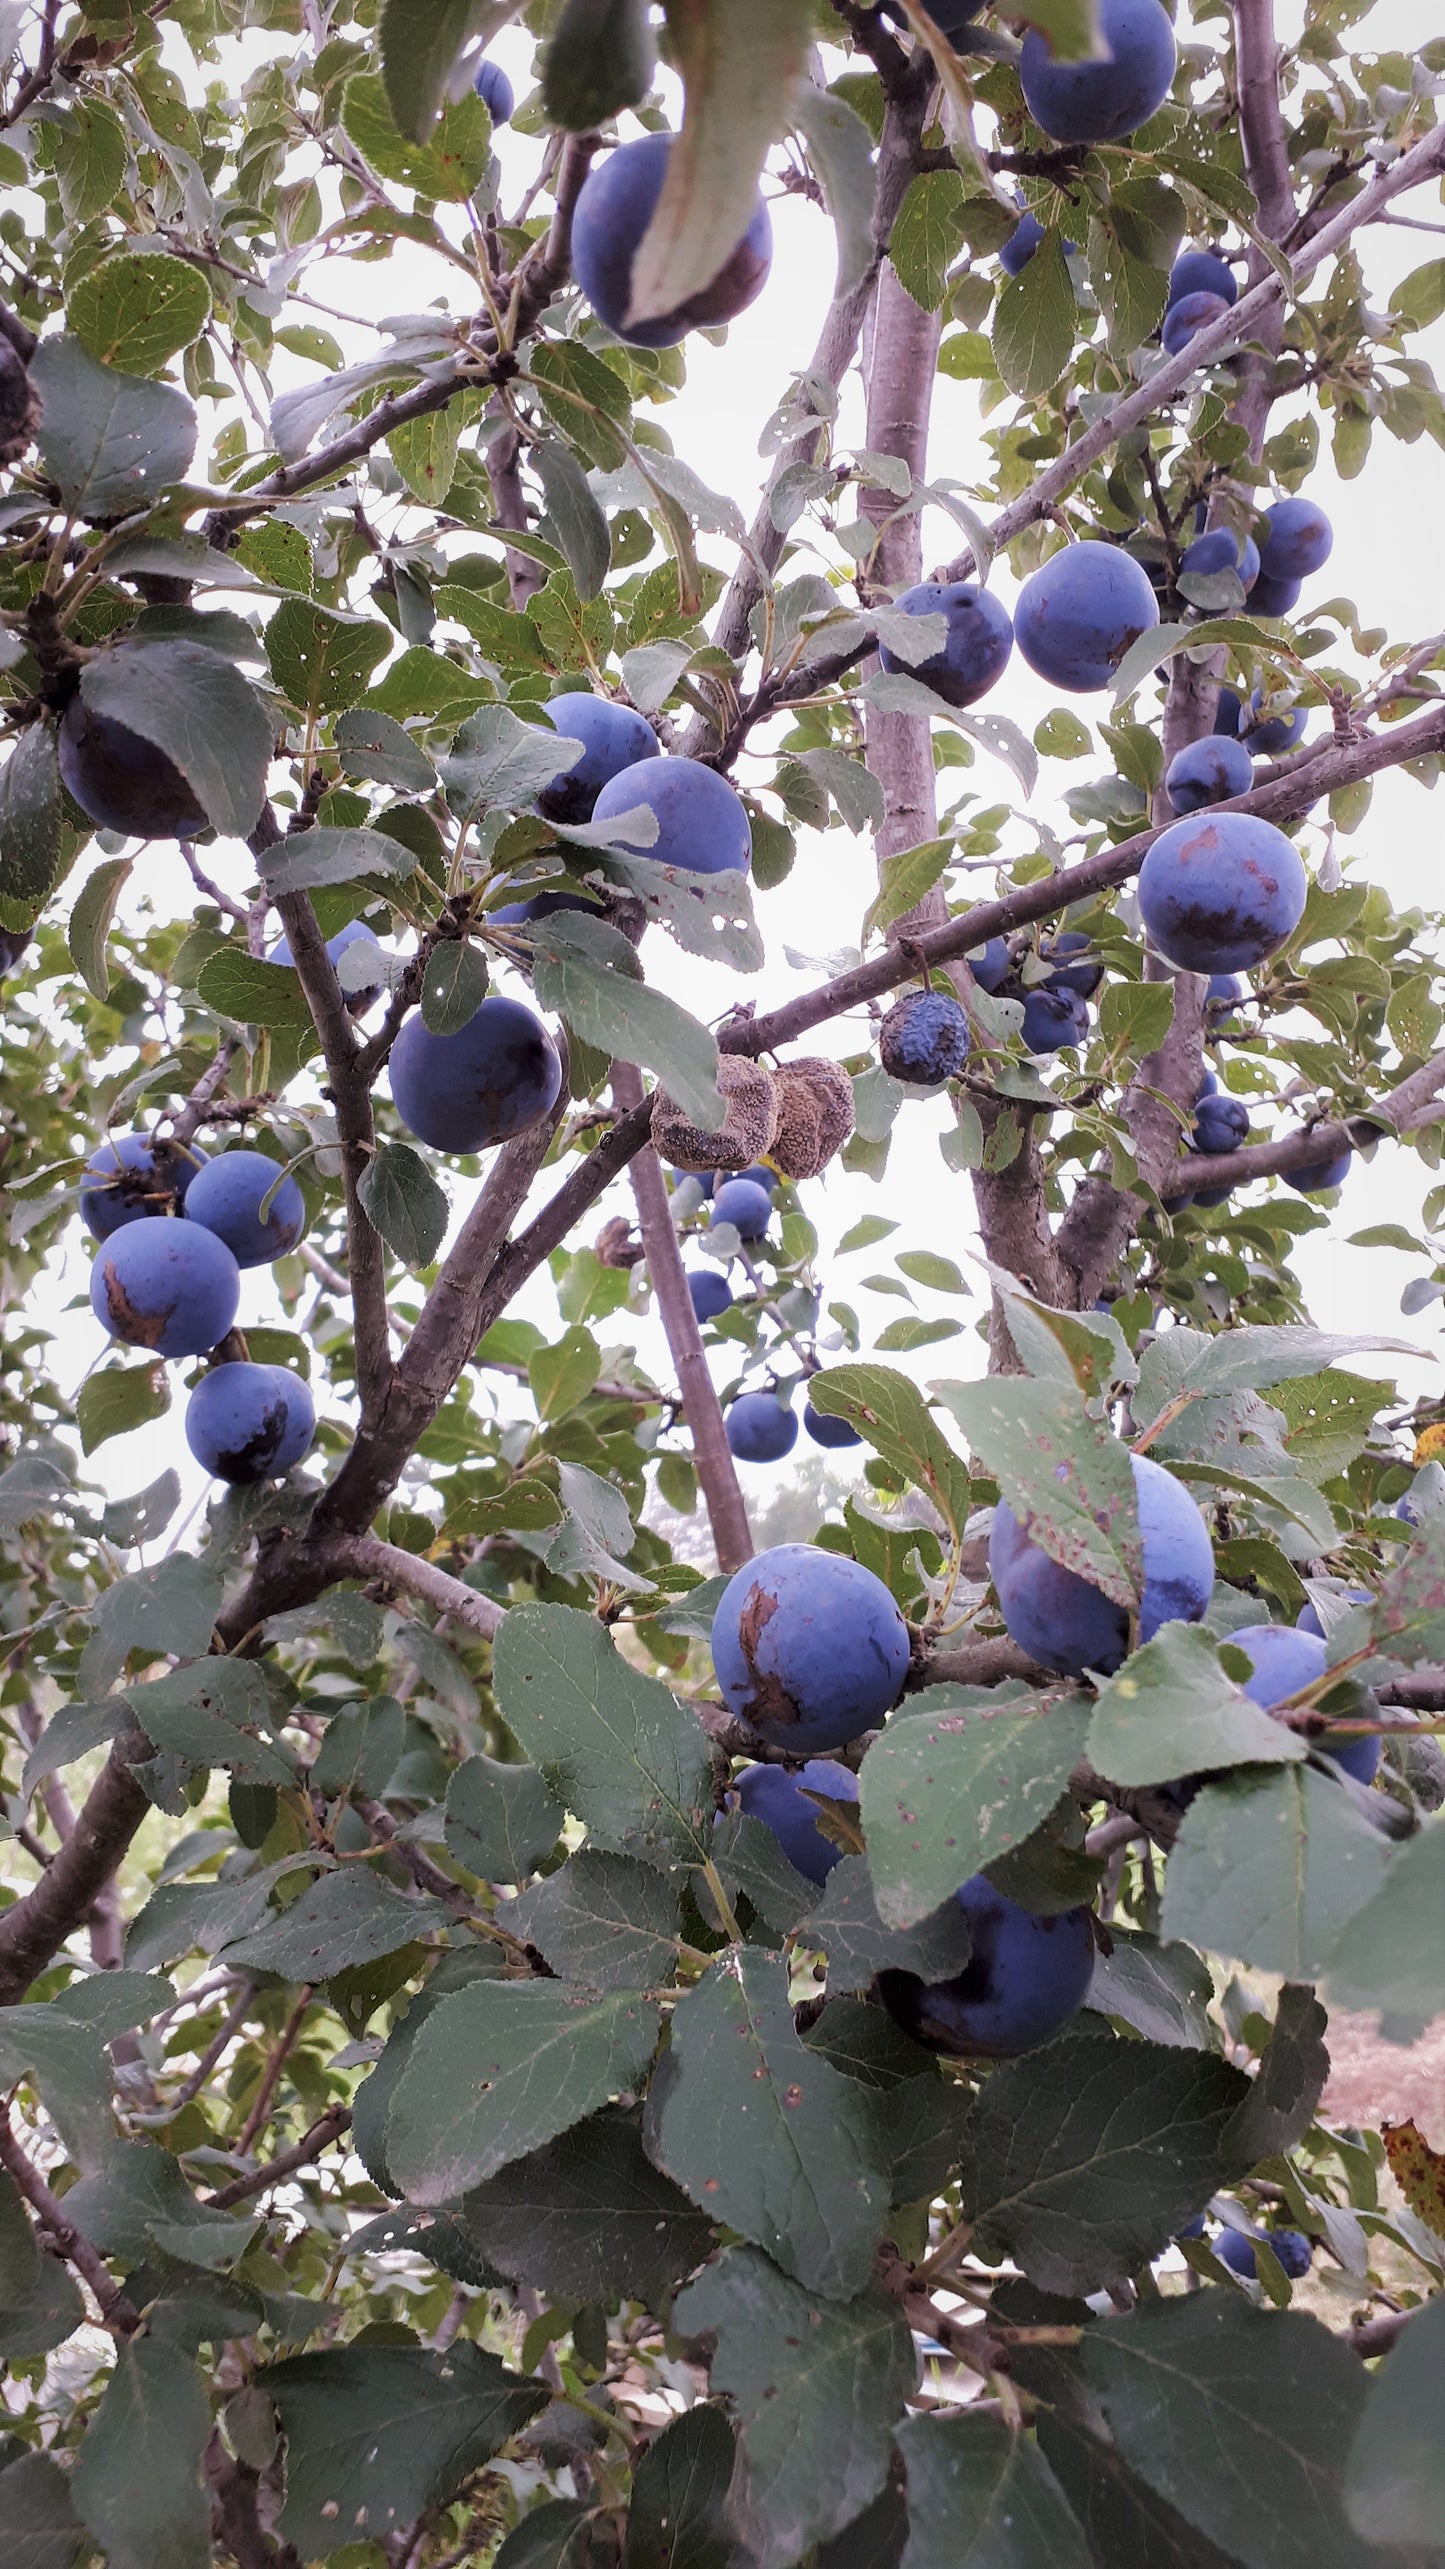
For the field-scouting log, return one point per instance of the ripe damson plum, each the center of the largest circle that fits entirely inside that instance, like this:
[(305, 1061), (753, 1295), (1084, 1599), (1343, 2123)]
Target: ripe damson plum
[(1220, 891), (538, 905), (1220, 549), (615, 207), (1077, 614), (121, 781), (1185, 319), (132, 1177), (1296, 539), (1202, 272), (745, 1204), (777, 1795), (1221, 1123), (1021, 244), (1025, 1978), (1206, 771), (989, 965), (824, 1429), (612, 737), (709, 1292), (497, 1075), (1225, 991), (227, 1196), (924, 1039), (495, 92), (809, 1647), (1063, 1620), (355, 933), (1052, 1018), (977, 651), (1308, 1620), (1099, 102), (702, 825), (1236, 2249), (1286, 1657), (759, 1175), (248, 1423), (1317, 1177), (1273, 597), (761, 1428), (1073, 963), (171, 1286), (1274, 735)]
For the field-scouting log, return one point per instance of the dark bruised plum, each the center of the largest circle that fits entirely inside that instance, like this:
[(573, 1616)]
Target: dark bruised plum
[(1025, 1978), (134, 1176), (1219, 892), (171, 1286), (497, 1075), (1207, 771), (613, 213), (248, 1423), (121, 781), (924, 1040), (809, 1648)]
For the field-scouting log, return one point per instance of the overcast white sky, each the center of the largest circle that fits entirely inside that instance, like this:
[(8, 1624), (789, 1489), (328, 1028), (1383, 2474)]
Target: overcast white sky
[(1386, 558)]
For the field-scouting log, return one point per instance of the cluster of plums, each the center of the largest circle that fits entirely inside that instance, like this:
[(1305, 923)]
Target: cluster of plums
[(761, 1427), (175, 1229), (1237, 2249), (1221, 1125)]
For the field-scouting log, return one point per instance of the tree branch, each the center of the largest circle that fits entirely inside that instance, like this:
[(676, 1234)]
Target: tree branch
[(328, 2127), (363, 1556), (119, 2314), (33, 1930)]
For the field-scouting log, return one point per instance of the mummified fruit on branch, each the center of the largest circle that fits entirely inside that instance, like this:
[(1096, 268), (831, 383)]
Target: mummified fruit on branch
[(815, 1115), (746, 1132)]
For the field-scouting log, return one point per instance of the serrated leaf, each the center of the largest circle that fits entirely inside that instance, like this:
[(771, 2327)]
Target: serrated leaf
[(625, 1018), (840, 148), (360, 1748), (678, 2518), (889, 1410), (1387, 1955), (405, 1204), (345, 1919), (318, 859), (200, 711), (845, 1924), (1035, 321), (602, 1922), (1395, 2477), (589, 2218), (40, 2303), (90, 922), (617, 1747), (1065, 1476), (110, 442), (903, 880), (322, 662), (741, 63), (31, 825), (41, 2530), (1270, 1868), (580, 525), (708, 914), (983, 2497), (926, 236), (599, 60), (447, 167), (946, 1790), (135, 310), (119, 1398), (137, 2477), (250, 991), (1172, 1711), (372, 745), (500, 1820), (1135, 1016), (1163, 1991)]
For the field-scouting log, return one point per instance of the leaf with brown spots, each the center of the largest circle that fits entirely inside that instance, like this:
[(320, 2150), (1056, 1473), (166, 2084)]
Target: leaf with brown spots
[(1418, 2171)]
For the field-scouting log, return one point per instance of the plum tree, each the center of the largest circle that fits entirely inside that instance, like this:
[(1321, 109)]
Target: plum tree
[(826, 1429), (1077, 616), (1100, 102), (1296, 539), (613, 737), (1026, 1976), (1207, 771), (136, 1175), (745, 1204), (497, 1075), (924, 1039), (711, 1293), (1185, 319), (495, 92), (1236, 2249), (1285, 1658), (979, 640), (613, 212), (168, 1285), (777, 1795), (702, 823), (230, 1195), (1063, 1620), (761, 1428), (1202, 272), (122, 781), (1052, 1018), (1220, 894), (247, 1423), (809, 1648)]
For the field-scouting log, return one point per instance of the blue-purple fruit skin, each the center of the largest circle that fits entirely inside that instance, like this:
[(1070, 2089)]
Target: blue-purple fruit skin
[(710, 1293), (1185, 319), (1073, 963), (776, 1795), (1225, 991), (1202, 272), (248, 1423), (989, 965), (615, 207), (704, 1179), (1021, 244), (1221, 891), (924, 1039), (761, 1428), (1236, 2249), (809, 1648), (1052, 1018), (825, 1429), (1221, 1123), (497, 1075), (613, 737), (170, 1286), (1207, 771), (745, 1204), (979, 645), (1065, 1622), (1100, 102), (227, 1196), (495, 92), (1296, 540), (761, 1175), (1278, 735), (1319, 1176), (122, 781), (1220, 549), (1307, 1620), (355, 933), (146, 1177), (539, 905), (1286, 1657), (1208, 1084), (1077, 615), (1191, 2229), (1274, 597), (950, 17), (702, 825), (1025, 1978)]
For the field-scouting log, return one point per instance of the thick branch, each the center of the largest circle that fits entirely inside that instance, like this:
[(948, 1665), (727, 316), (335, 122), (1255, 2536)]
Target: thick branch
[(116, 2310), (363, 1556), (33, 1930), (1398, 1112)]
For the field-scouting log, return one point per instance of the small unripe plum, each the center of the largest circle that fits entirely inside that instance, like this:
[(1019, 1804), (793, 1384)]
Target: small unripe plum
[(1025, 1978), (1063, 1621), (1202, 272), (980, 640), (1206, 771), (1220, 549), (121, 781), (355, 933), (1185, 319), (1221, 1123), (761, 1428), (702, 824), (1052, 1018), (497, 1075), (924, 1039), (1307, 1620), (1220, 891), (1077, 614), (171, 1286), (247, 1423), (1236, 2249), (227, 1196), (614, 210), (825, 1429), (1273, 597), (1099, 102), (495, 92), (132, 1177), (1297, 539), (745, 1204), (809, 1647), (989, 965), (777, 1795), (1318, 1176), (612, 737), (1074, 964), (710, 1292), (1287, 1657)]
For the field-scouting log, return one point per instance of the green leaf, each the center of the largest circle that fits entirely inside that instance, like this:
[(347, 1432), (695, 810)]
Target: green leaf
[(200, 711), (1269, 1869), (1034, 322), (1420, 297), (817, 2387), (447, 167), (322, 662), (137, 2478), (41, 2529), (500, 1820), (252, 992), (90, 922), (135, 310), (1279, 2109), (600, 59), (90, 157), (616, 1747), (623, 1017), (709, 914), (345, 1918), (903, 880), (424, 452), (419, 42), (946, 1790), (579, 522), (678, 2518), (31, 825), (119, 1398), (319, 859), (846, 1924), (1171, 1711), (926, 238), (840, 147), (562, 1375), (589, 402), (1183, 1360), (1070, 28), (1135, 1016), (403, 1201), (1162, 1991), (889, 1410), (40, 2303), (1242, 2419), (200, 1710), (602, 1922), (901, 1335), (361, 1748), (1388, 1953), (375, 2435), (981, 2497), (110, 443), (1395, 2478), (1066, 1477), (501, 2067), (453, 987), (373, 745), (927, 1268), (763, 2133), (589, 2218), (1082, 2160)]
